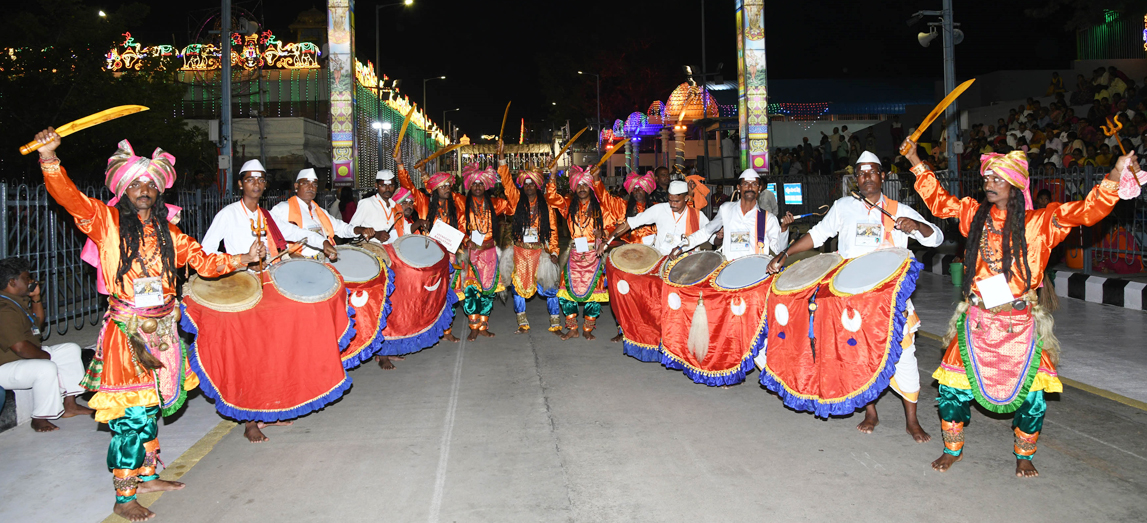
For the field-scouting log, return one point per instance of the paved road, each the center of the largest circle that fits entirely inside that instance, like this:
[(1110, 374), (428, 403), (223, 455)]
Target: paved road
[(528, 428)]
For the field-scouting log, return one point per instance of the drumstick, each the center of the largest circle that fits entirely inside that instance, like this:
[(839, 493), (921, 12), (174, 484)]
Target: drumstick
[(870, 206), (290, 250), (811, 213)]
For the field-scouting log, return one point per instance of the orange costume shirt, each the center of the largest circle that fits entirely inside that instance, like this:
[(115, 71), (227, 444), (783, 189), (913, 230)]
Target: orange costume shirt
[(617, 207), (422, 202), (121, 386), (513, 195)]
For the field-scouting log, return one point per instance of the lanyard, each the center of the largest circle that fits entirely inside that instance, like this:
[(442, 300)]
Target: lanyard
[(31, 317)]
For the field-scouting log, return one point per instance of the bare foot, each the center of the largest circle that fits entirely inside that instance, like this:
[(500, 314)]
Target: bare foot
[(571, 334), (71, 408), (1025, 469), (384, 363), (871, 420), (473, 335), (449, 336), (589, 335), (158, 485), (276, 424), (945, 461), (43, 425), (912, 425), (616, 339), (397, 358), (486, 333), (558, 333), (133, 511), (253, 434)]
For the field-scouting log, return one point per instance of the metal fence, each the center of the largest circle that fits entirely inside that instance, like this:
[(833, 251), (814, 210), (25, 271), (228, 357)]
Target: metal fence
[(37, 229)]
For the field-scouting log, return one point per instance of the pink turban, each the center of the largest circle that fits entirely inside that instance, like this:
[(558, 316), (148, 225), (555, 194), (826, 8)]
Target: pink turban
[(578, 176), (533, 176), (438, 179), (399, 195), (1012, 167), (471, 173), (125, 167), (646, 183)]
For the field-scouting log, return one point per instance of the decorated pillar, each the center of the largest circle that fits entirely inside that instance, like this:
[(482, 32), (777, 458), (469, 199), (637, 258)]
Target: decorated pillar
[(340, 63), (665, 144), (679, 147), (629, 157), (752, 84)]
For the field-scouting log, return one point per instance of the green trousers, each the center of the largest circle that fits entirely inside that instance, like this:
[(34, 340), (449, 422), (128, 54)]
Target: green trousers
[(133, 451), (477, 303), (955, 405), (592, 308)]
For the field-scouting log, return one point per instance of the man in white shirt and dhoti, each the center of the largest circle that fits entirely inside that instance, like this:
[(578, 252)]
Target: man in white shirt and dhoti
[(302, 211), (748, 229), (675, 220), (379, 212)]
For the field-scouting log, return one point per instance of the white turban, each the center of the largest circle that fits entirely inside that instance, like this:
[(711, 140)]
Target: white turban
[(385, 174), (678, 187), (307, 174), (252, 165), (749, 174), (868, 157)]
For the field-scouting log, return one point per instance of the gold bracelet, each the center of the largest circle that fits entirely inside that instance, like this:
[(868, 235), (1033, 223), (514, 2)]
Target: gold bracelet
[(919, 169), (1109, 185), (50, 167)]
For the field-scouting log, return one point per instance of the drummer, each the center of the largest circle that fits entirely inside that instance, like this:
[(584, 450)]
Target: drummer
[(442, 204), (861, 228), (535, 234), (316, 218), (407, 221), (378, 212), (237, 224), (673, 221), (747, 228)]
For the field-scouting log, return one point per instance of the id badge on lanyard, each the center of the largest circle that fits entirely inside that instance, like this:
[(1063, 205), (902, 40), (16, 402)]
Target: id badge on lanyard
[(148, 292), (869, 234), (530, 235)]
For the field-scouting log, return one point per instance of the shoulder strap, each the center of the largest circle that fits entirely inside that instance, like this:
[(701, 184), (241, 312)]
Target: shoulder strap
[(276, 235)]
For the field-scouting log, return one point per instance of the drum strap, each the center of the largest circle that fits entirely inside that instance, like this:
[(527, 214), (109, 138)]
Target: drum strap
[(278, 243), (692, 220), (295, 216), (762, 227)]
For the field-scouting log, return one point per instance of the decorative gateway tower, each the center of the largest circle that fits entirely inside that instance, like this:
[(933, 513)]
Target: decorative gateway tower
[(752, 84), (340, 38)]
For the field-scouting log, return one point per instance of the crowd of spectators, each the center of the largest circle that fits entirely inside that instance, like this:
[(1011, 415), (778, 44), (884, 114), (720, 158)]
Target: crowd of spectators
[(1052, 135)]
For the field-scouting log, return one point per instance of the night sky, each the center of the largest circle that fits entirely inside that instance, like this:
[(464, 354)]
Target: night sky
[(493, 51)]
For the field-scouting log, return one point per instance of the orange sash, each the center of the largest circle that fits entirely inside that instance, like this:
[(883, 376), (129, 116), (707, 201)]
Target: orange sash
[(692, 220), (891, 206), (295, 216)]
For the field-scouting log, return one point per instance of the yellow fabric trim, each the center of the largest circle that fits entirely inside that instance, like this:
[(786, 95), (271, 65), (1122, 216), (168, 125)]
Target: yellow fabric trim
[(111, 405), (598, 297), (959, 380)]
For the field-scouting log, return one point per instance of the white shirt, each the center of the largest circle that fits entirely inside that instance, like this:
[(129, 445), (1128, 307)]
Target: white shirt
[(842, 219), (377, 213), (232, 226), (670, 225), (282, 212), (741, 231)]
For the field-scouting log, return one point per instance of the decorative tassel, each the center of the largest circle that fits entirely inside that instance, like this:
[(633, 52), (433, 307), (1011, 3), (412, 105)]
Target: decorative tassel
[(699, 331), (145, 359), (1047, 297)]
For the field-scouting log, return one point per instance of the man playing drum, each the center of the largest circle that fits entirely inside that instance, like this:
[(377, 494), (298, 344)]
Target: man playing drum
[(747, 229), (378, 212), (582, 277), (673, 221), (535, 234), (316, 218), (861, 228), (482, 280), (141, 365), (238, 224), (1002, 350), (443, 204)]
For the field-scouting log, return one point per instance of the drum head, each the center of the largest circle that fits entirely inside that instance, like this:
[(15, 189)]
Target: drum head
[(863, 273), (694, 268), (305, 280), (418, 251), (357, 265), (233, 292), (635, 258), (744, 272), (807, 272), (376, 249)]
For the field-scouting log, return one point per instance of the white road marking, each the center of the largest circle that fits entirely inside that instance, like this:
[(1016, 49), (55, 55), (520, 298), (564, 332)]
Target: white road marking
[(444, 445)]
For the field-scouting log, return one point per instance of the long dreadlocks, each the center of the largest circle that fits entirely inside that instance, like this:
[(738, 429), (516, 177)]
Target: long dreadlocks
[(1014, 241), (131, 235), (594, 209), (522, 218), (451, 212), (494, 229)]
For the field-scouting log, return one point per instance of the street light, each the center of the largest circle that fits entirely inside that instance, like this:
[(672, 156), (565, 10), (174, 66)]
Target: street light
[(597, 81), (951, 37), (426, 108), (103, 14)]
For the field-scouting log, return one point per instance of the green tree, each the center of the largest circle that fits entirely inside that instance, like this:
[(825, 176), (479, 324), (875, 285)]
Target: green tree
[(55, 72)]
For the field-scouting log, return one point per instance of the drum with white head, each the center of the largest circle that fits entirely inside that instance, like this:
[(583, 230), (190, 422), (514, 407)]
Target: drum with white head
[(865, 272), (357, 265), (234, 292), (807, 272), (305, 280), (635, 258), (418, 251), (743, 272), (691, 269)]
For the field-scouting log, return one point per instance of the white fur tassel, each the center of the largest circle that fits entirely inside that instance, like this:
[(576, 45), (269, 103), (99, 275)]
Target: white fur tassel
[(506, 265), (699, 332), (548, 273)]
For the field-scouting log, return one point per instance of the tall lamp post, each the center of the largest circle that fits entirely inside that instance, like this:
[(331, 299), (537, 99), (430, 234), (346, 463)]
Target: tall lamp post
[(447, 128), (597, 81), (952, 36), (425, 107)]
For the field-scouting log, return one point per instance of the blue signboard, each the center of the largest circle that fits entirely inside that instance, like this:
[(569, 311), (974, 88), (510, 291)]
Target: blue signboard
[(793, 194), (772, 187)]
